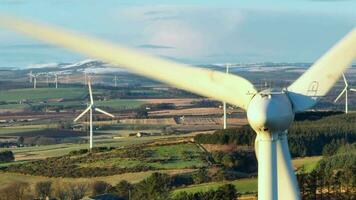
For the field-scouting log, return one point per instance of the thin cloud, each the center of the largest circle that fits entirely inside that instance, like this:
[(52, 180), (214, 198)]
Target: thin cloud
[(152, 46)]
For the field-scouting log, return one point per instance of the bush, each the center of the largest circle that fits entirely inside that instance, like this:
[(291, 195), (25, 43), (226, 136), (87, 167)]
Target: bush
[(6, 156), (100, 187), (43, 189)]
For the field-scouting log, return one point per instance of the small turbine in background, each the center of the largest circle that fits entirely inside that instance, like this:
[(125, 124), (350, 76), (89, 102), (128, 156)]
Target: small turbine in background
[(345, 90), (90, 108), (224, 103)]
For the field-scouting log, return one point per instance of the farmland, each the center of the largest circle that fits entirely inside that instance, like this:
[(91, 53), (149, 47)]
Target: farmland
[(38, 94)]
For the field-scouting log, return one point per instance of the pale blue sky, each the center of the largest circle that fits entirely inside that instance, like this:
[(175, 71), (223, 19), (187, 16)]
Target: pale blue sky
[(189, 31)]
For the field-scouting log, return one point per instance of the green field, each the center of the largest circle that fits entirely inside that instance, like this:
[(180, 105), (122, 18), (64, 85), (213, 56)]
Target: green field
[(243, 186), (37, 94), (308, 163), (161, 157), (121, 104)]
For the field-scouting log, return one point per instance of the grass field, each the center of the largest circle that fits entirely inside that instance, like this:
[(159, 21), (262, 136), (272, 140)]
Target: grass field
[(16, 95), (121, 104), (243, 186), (162, 157), (308, 163)]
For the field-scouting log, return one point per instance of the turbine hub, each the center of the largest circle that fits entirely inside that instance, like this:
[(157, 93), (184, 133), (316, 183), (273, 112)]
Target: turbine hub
[(270, 112)]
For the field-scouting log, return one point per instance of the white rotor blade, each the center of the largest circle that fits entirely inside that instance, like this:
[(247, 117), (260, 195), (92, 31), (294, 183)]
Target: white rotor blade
[(338, 97), (104, 112), (353, 89), (81, 114), (320, 77), (220, 86), (90, 94), (345, 81)]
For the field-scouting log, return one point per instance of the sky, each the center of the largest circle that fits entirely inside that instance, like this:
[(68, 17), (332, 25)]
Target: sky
[(193, 32)]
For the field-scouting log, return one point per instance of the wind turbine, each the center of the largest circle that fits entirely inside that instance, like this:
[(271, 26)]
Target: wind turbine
[(115, 80), (345, 90), (30, 76), (224, 103), (90, 108), (270, 112), (47, 79), (34, 76), (56, 80)]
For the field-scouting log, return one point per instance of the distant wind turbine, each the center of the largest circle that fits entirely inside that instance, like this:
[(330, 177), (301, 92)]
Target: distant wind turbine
[(345, 90), (30, 76), (115, 81), (224, 103), (90, 108), (34, 76), (56, 80)]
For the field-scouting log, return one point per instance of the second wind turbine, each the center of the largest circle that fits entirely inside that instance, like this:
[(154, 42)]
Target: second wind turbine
[(90, 108)]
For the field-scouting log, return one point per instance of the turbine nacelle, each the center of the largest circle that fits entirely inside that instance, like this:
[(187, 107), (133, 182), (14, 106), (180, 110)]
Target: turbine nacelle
[(270, 111)]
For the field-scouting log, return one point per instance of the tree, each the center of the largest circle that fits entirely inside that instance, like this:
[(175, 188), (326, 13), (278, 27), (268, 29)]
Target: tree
[(15, 191), (141, 114), (43, 189), (122, 189), (201, 176), (77, 191), (155, 187), (100, 187), (6, 156), (61, 192), (226, 192)]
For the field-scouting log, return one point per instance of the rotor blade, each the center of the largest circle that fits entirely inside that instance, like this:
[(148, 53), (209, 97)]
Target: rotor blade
[(345, 81), (81, 114), (353, 89), (320, 77), (90, 93), (342, 92), (220, 86), (287, 181), (104, 112)]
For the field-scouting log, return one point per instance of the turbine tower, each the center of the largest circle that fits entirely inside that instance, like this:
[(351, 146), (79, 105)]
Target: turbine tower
[(34, 76), (30, 76), (56, 80), (90, 108), (345, 90), (224, 103), (270, 112), (115, 80)]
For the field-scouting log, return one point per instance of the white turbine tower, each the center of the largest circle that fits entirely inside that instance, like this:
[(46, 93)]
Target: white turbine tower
[(345, 90), (30, 76), (269, 112), (56, 80), (115, 80), (224, 103), (90, 108), (34, 76)]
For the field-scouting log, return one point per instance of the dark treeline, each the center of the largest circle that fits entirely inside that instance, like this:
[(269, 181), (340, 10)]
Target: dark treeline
[(306, 138)]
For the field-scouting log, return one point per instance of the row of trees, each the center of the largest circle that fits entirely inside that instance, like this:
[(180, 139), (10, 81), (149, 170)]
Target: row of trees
[(158, 187), (44, 190), (306, 138)]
